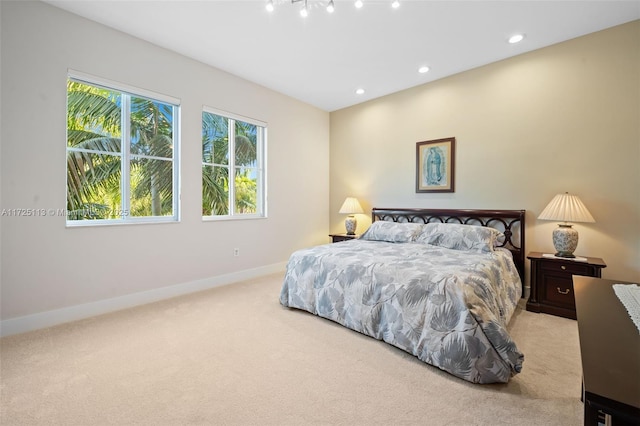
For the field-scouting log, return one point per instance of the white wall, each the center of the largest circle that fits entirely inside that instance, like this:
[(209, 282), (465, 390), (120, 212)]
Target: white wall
[(563, 118), (47, 267)]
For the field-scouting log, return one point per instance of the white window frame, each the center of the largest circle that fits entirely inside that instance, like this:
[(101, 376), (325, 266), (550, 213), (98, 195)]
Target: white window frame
[(125, 155), (261, 158)]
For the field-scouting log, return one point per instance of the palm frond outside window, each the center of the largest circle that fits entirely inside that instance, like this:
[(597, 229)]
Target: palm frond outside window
[(232, 166), (121, 156)]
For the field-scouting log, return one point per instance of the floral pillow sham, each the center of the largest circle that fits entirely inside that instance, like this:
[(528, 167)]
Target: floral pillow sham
[(460, 237), (393, 232)]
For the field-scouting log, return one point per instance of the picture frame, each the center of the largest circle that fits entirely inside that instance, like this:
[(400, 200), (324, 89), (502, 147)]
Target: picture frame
[(435, 165)]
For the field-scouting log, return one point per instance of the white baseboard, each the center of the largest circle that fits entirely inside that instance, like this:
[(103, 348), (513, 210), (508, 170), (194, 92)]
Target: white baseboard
[(77, 312)]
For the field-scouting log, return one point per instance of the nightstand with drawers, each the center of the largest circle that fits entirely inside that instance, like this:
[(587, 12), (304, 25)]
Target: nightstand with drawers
[(336, 238), (552, 282)]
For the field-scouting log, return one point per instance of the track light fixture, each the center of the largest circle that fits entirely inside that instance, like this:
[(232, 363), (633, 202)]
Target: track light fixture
[(330, 5), (270, 6)]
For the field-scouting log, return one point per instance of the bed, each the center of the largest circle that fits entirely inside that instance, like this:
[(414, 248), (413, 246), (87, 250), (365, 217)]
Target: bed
[(439, 284)]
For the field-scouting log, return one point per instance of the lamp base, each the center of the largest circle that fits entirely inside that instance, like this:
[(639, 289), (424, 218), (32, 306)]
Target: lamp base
[(567, 255), (350, 223), (565, 240)]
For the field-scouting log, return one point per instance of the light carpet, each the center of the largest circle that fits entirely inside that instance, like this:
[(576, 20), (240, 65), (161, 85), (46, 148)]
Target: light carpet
[(233, 355)]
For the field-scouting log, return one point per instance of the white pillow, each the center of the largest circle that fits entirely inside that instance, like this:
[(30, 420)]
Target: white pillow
[(394, 232), (460, 237)]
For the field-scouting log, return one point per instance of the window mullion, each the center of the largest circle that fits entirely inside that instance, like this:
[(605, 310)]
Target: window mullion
[(175, 160), (232, 166), (260, 168), (126, 154)]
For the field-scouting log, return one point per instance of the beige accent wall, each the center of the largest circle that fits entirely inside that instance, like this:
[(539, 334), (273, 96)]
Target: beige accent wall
[(47, 267), (565, 118)]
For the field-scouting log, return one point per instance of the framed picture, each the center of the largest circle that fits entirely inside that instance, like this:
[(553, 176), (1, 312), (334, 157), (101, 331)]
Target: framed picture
[(435, 165)]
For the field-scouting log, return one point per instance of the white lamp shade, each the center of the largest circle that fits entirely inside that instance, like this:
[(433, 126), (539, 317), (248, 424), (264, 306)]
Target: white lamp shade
[(566, 208), (351, 206)]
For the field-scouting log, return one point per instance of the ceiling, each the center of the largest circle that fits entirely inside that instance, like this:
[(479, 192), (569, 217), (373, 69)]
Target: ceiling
[(324, 58)]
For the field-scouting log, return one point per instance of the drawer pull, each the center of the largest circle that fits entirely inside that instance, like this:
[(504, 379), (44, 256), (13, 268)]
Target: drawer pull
[(563, 292), (563, 267)]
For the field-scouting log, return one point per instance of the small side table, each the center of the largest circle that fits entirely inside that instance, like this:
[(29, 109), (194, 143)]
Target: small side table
[(552, 282), (336, 238)]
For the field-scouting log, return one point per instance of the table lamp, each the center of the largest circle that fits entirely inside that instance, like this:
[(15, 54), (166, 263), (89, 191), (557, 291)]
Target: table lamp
[(566, 208), (351, 206)]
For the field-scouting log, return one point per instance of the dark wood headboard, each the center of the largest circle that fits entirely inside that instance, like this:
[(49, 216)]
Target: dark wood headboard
[(509, 222)]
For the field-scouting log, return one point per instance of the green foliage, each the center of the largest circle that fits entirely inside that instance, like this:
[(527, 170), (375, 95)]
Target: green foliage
[(215, 169), (94, 155), (246, 194), (93, 109)]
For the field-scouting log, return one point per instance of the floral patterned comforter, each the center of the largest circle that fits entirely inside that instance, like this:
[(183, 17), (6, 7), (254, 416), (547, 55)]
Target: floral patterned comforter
[(450, 308)]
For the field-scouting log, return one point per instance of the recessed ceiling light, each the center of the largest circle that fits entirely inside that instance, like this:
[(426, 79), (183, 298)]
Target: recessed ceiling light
[(516, 38), (359, 91), (423, 69), (359, 4), (395, 4)]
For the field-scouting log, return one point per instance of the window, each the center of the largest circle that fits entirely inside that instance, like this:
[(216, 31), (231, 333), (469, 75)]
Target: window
[(232, 166), (122, 147)]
